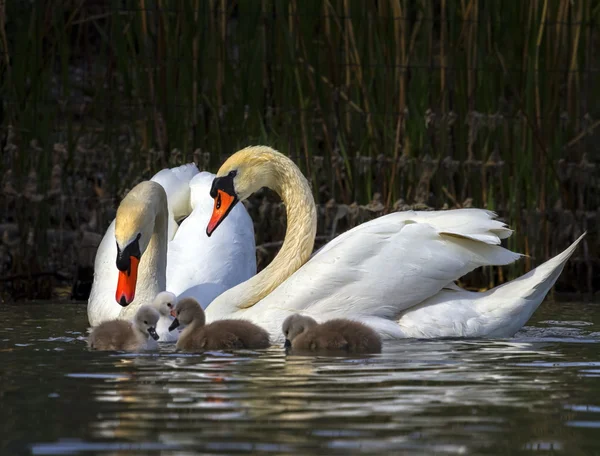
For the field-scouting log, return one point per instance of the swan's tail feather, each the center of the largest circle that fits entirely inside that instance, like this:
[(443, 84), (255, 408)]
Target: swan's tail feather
[(499, 312), (510, 305), (538, 281)]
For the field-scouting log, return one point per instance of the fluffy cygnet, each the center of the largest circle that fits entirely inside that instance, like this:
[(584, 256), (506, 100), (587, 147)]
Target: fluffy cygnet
[(303, 333), (165, 302), (139, 334), (219, 335)]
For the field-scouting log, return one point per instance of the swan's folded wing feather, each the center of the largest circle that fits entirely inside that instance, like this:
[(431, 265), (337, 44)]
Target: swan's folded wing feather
[(406, 256), (176, 182), (476, 224)]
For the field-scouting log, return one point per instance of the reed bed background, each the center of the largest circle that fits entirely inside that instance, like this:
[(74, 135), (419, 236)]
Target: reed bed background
[(384, 105)]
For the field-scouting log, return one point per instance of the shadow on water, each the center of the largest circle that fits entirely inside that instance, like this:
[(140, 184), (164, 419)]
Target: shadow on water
[(537, 392)]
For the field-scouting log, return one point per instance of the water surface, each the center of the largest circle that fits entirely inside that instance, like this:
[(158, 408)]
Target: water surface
[(538, 393)]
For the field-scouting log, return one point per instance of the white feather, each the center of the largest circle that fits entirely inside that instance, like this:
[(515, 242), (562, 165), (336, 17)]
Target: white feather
[(396, 274), (197, 266)]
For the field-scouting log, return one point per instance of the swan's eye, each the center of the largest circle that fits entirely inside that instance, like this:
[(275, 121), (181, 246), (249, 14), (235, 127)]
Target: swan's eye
[(233, 173), (169, 304), (145, 322)]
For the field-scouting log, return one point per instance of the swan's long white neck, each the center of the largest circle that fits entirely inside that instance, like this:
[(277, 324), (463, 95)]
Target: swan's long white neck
[(283, 176), (152, 275)]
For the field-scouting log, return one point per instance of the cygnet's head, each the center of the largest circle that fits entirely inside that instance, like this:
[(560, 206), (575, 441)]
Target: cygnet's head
[(186, 311), (145, 320), (164, 302), (294, 325)]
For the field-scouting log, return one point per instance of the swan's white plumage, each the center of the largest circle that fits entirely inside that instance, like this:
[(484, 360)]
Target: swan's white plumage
[(212, 258), (196, 265), (394, 273), (404, 255), (499, 312), (387, 265), (176, 182), (400, 282)]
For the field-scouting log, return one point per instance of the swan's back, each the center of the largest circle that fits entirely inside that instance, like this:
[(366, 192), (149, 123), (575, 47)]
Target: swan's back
[(203, 267), (387, 265)]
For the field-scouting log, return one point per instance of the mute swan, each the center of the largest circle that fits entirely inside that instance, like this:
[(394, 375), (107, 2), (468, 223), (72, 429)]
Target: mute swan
[(140, 334), (394, 273), (145, 241), (220, 335), (303, 334)]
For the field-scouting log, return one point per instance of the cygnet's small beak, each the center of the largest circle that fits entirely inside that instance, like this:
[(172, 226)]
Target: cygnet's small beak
[(174, 325), (152, 332), (287, 344), (173, 313)]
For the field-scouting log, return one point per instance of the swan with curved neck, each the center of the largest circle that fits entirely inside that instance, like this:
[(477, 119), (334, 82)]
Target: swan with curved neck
[(395, 273), (145, 251), (245, 173), (141, 234)]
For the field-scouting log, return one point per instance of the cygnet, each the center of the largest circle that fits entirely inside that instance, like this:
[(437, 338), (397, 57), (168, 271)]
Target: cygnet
[(219, 335)]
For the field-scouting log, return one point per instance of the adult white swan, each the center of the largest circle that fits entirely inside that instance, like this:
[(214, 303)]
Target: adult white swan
[(395, 273), (145, 252)]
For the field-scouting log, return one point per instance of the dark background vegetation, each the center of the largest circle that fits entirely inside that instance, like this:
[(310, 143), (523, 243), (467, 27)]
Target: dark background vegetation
[(385, 105)]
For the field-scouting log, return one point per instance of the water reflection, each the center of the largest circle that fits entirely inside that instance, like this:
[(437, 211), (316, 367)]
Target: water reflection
[(535, 393)]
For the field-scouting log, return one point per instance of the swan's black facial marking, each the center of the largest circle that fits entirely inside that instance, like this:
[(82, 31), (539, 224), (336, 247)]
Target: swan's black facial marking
[(124, 256), (225, 184), (223, 192)]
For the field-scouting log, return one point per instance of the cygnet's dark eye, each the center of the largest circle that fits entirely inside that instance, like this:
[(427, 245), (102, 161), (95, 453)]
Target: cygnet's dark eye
[(233, 173), (145, 322), (169, 304)]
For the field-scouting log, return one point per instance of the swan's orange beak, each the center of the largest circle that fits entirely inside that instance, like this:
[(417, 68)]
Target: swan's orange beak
[(127, 281), (224, 202)]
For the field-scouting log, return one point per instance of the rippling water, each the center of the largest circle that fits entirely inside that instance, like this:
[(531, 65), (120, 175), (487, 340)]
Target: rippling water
[(538, 392)]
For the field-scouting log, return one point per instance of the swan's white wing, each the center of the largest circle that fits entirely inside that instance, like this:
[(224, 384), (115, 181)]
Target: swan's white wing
[(101, 303), (476, 224), (176, 182), (392, 263), (499, 312), (205, 267)]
